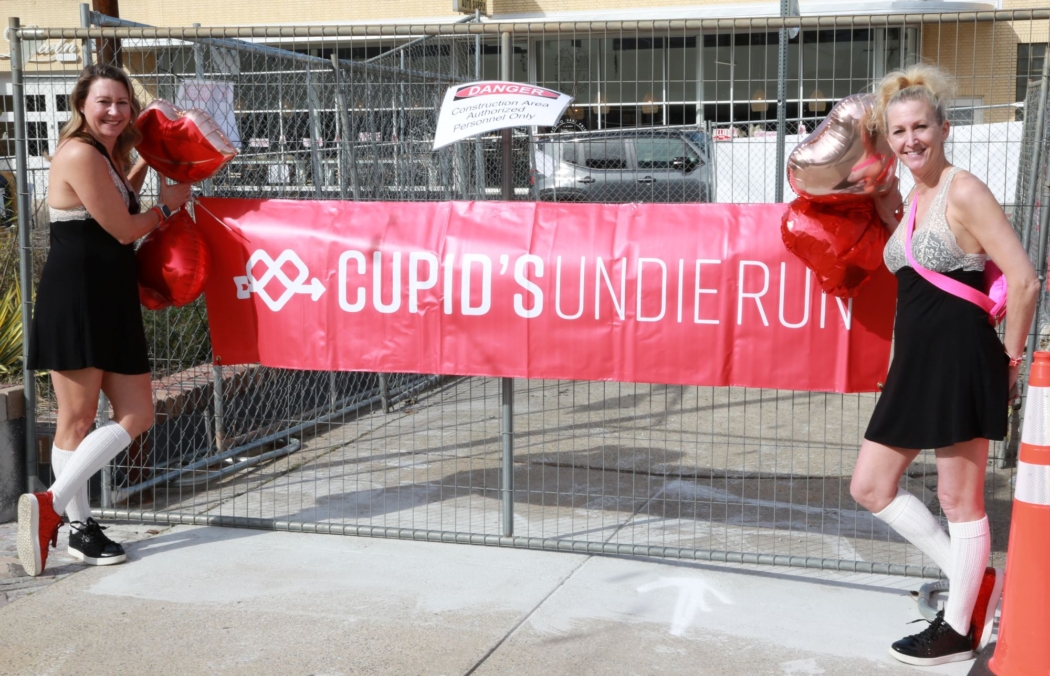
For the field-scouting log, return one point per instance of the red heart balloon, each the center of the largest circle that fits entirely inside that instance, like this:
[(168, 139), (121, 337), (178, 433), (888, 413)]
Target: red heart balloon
[(186, 146), (173, 263), (841, 242), (842, 159)]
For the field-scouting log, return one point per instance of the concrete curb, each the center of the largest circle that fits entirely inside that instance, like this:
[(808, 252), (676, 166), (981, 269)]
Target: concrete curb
[(12, 450)]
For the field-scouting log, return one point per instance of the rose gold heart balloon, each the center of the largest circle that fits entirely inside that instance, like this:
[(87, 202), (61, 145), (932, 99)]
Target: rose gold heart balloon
[(842, 157), (184, 145)]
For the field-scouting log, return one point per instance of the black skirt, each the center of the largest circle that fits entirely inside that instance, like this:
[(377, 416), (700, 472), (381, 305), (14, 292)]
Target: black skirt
[(948, 380), (87, 312)]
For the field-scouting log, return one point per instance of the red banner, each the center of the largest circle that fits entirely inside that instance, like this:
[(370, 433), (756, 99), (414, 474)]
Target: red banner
[(699, 294)]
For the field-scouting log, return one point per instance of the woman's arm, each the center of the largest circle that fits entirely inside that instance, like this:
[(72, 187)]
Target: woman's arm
[(976, 209), (888, 206), (137, 175), (85, 170)]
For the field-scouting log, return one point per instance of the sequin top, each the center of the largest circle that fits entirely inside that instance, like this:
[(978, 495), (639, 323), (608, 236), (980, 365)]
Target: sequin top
[(933, 244)]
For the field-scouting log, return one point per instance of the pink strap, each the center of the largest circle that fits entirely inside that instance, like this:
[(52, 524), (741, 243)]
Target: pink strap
[(866, 163), (942, 282)]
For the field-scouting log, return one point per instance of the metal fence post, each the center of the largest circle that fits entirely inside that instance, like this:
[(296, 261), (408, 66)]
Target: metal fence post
[(1037, 157), (85, 22), (25, 259), (479, 154), (1041, 269), (312, 104), (507, 384), (216, 369), (1027, 209), (782, 60), (107, 471), (1009, 458), (347, 154)]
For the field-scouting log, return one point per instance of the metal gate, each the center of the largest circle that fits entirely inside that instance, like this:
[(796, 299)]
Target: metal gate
[(348, 112)]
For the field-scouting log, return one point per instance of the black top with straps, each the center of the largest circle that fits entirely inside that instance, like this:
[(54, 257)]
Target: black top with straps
[(87, 312)]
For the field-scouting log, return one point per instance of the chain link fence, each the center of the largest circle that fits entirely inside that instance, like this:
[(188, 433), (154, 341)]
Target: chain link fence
[(673, 111)]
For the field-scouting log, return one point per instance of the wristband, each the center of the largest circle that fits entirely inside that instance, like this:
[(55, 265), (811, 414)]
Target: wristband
[(1016, 361)]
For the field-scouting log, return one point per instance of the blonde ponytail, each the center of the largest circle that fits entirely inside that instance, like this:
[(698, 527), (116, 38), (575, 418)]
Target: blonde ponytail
[(920, 82)]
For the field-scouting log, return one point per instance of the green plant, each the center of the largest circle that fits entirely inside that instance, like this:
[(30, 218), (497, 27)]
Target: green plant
[(11, 332), (11, 329)]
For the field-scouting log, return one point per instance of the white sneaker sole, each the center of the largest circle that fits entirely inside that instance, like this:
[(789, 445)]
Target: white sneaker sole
[(92, 561), (932, 661), (993, 604), (29, 534)]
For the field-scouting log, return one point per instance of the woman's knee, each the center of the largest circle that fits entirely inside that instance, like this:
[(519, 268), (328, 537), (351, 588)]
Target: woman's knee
[(136, 421), (960, 506), (78, 421), (872, 494)]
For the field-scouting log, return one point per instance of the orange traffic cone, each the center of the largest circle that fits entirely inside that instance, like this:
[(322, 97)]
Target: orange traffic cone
[(1024, 627)]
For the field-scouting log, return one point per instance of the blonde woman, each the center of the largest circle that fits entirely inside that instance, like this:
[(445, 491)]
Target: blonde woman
[(951, 377), (87, 325)]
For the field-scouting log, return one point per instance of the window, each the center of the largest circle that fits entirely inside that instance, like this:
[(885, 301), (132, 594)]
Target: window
[(660, 153), (36, 136), (177, 60), (36, 103), (604, 154), (362, 53), (7, 104), (569, 151), (966, 111), (1029, 66), (7, 139), (62, 103)]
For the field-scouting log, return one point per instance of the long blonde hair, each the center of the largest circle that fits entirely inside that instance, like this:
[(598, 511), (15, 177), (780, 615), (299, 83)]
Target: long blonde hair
[(920, 82), (76, 127)]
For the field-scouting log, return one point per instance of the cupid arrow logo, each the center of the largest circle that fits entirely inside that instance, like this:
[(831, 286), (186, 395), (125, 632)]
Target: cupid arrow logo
[(248, 284), (692, 599)]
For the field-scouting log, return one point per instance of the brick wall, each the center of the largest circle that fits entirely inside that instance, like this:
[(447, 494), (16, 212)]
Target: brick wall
[(983, 58)]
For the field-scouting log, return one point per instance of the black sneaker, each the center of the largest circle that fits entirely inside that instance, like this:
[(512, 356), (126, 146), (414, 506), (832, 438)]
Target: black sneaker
[(89, 544), (936, 644)]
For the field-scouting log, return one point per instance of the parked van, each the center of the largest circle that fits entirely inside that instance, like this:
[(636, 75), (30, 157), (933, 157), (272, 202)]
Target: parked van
[(661, 164)]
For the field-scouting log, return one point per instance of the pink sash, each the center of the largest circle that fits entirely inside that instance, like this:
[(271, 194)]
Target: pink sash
[(994, 302)]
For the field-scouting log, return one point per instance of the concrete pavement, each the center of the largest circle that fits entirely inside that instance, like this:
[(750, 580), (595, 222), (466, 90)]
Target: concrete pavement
[(196, 600)]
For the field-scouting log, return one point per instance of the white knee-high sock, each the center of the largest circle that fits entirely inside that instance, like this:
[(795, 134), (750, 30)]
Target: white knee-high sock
[(971, 544), (79, 508), (909, 517), (93, 453)]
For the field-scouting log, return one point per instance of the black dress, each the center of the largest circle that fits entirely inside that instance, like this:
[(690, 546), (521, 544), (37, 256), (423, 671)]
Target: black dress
[(949, 377), (87, 310)]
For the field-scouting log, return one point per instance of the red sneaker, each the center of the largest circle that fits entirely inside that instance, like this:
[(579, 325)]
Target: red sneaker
[(984, 610), (37, 527)]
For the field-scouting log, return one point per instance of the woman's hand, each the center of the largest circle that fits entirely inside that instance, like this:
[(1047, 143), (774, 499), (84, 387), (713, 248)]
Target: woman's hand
[(1011, 383), (174, 195), (886, 205)]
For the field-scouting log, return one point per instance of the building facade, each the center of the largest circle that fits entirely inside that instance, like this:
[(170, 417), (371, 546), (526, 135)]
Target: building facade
[(722, 78)]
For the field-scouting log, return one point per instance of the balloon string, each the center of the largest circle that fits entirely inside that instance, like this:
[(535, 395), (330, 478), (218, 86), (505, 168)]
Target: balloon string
[(198, 205)]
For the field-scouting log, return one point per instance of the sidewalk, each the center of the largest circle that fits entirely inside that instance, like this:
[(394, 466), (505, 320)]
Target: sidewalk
[(194, 600)]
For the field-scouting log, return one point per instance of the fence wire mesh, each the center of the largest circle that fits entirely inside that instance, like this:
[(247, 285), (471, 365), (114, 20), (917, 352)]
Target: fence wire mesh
[(663, 112)]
